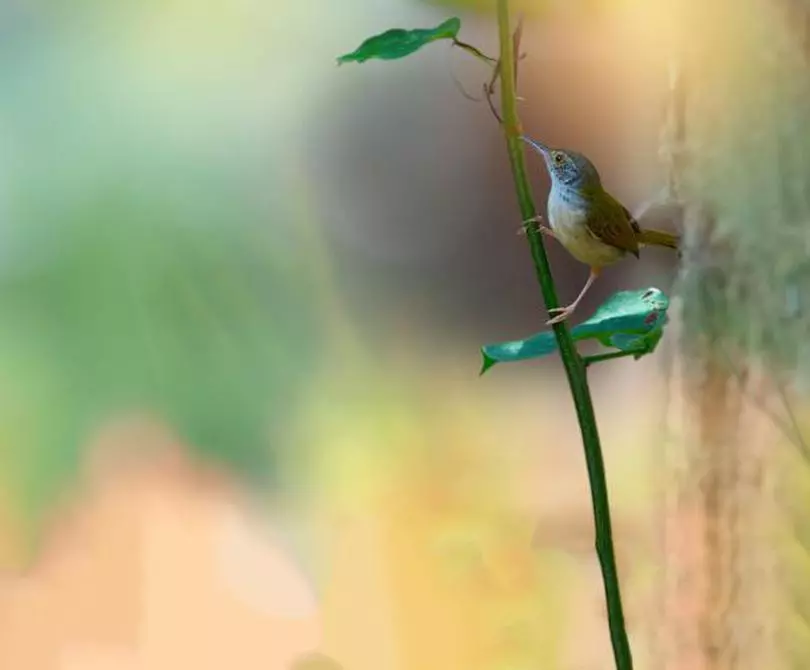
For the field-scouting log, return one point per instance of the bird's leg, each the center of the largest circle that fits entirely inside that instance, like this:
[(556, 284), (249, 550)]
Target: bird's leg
[(538, 220), (564, 312)]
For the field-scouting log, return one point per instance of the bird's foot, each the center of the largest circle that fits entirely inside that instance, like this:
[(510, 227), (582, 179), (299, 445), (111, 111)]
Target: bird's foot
[(562, 313), (535, 222)]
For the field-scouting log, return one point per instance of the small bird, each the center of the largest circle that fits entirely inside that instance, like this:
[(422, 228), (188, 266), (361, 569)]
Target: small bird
[(589, 222)]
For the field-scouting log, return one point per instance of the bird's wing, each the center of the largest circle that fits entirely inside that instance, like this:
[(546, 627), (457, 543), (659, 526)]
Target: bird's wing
[(612, 224), (633, 222)]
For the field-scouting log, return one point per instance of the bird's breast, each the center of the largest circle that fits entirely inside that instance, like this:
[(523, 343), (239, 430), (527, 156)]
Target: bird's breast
[(567, 217)]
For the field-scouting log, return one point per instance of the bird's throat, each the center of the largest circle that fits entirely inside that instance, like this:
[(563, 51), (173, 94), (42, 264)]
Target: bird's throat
[(571, 196)]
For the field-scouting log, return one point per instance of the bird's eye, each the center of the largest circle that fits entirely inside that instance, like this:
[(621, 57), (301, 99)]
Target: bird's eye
[(558, 158)]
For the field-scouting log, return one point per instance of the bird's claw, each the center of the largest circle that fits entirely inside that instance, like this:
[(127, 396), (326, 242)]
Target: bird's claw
[(562, 314), (535, 220)]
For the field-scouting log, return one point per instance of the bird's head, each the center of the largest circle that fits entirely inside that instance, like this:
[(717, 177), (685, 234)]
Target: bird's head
[(567, 168)]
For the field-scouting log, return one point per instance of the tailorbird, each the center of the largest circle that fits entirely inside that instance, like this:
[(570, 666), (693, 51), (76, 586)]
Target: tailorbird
[(589, 222)]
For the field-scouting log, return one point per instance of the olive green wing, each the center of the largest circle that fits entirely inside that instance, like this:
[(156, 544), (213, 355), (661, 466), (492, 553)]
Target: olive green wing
[(633, 223), (611, 223)]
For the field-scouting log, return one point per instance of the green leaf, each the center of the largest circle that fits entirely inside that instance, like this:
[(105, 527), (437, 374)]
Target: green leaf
[(398, 43), (630, 321)]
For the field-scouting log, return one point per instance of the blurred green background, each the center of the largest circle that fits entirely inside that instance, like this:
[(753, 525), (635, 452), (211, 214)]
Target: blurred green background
[(291, 266), (199, 209)]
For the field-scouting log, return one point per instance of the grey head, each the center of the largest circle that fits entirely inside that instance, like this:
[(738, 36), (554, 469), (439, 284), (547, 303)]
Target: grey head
[(568, 169)]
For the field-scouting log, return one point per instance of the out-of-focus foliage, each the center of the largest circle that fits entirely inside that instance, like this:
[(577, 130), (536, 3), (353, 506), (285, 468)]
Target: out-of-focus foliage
[(535, 8), (421, 483), (146, 264), (748, 98), (738, 138), (141, 313), (316, 661)]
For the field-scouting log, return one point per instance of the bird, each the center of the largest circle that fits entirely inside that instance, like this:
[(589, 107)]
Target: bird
[(589, 222)]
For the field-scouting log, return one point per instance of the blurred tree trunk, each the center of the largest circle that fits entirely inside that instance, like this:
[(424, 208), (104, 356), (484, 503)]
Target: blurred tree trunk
[(731, 108)]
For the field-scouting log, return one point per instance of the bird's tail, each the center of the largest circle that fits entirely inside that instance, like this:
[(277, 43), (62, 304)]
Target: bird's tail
[(658, 238)]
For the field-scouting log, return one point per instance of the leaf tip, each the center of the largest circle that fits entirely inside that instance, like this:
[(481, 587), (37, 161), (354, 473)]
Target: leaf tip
[(487, 361), (452, 26)]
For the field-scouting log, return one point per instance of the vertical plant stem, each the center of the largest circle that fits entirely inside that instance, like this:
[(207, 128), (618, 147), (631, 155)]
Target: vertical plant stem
[(574, 366)]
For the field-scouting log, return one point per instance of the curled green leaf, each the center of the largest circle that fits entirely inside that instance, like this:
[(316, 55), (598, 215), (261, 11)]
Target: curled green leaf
[(398, 43), (630, 321)]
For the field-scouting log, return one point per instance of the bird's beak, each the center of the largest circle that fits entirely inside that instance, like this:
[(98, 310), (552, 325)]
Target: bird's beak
[(542, 149)]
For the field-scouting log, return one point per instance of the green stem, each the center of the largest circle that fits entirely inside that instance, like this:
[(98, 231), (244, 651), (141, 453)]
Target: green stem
[(475, 51), (574, 366), (598, 358)]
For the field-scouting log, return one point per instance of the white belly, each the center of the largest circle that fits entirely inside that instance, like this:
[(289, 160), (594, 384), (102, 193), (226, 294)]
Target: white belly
[(568, 224)]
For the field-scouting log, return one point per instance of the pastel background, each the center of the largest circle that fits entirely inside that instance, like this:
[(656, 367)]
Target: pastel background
[(242, 294)]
